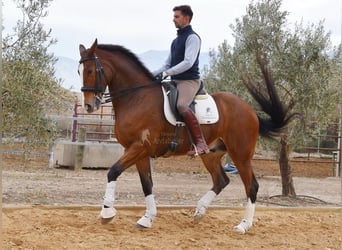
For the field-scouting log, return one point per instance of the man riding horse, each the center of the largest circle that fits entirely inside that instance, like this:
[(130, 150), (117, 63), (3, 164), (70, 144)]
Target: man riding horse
[(182, 65)]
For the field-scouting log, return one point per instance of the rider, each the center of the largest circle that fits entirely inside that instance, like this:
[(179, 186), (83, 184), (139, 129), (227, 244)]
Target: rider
[(182, 65)]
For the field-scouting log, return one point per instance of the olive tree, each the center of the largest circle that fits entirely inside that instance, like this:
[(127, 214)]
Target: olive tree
[(30, 89), (302, 68)]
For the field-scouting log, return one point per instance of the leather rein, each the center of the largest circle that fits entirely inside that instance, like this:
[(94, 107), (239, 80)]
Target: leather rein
[(100, 75)]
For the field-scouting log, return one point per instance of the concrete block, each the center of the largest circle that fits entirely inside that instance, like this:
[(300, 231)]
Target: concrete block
[(95, 155)]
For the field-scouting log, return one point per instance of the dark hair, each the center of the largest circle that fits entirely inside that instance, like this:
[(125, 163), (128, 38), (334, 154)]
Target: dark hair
[(185, 9)]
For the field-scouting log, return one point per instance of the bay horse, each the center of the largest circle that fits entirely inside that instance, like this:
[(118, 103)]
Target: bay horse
[(142, 129)]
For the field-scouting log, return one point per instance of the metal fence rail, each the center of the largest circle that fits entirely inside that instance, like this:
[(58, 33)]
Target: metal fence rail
[(99, 126)]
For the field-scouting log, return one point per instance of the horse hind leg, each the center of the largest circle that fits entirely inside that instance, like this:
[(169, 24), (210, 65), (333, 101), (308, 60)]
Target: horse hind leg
[(220, 180), (251, 188)]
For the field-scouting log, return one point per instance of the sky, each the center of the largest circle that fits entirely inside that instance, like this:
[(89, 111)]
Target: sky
[(147, 25)]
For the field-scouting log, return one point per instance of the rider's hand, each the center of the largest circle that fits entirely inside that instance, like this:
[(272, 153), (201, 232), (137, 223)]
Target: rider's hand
[(165, 75), (159, 77)]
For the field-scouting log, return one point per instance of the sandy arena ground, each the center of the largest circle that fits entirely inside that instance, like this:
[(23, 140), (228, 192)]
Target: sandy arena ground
[(58, 209)]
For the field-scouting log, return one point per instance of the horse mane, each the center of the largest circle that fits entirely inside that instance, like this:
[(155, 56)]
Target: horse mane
[(120, 49)]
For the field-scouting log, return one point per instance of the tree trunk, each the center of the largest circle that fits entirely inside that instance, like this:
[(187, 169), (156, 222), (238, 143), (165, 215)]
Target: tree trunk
[(285, 168)]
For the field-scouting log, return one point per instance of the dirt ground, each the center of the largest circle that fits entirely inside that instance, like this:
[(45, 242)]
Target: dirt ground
[(58, 208)]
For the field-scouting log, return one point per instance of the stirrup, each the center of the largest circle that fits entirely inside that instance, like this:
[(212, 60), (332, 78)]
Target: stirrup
[(195, 152)]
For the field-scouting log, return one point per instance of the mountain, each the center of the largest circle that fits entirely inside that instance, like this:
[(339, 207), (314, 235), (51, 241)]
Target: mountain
[(154, 59), (66, 68)]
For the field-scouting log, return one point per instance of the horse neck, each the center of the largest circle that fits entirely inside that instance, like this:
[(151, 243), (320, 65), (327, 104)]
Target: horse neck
[(133, 105), (126, 74), (126, 81)]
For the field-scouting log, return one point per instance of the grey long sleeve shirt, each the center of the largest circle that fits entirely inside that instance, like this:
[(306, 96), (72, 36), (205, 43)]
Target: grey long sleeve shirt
[(192, 47)]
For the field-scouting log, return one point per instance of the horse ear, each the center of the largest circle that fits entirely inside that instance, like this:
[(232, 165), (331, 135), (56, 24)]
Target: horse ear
[(82, 49), (93, 47)]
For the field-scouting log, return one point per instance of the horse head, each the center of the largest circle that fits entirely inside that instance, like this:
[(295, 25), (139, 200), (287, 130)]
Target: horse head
[(93, 77)]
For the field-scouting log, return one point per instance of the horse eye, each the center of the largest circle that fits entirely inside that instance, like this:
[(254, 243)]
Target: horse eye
[(90, 71)]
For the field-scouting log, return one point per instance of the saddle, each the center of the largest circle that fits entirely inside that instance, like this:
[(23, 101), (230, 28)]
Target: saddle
[(203, 105)]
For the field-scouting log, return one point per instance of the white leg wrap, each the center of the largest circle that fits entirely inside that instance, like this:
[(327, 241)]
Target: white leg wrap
[(108, 200), (150, 214), (247, 221), (107, 213), (203, 204)]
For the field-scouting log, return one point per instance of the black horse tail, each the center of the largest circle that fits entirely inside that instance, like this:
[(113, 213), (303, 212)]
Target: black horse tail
[(270, 103)]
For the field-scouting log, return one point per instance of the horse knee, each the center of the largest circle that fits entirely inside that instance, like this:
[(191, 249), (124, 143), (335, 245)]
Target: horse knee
[(221, 183), (114, 172)]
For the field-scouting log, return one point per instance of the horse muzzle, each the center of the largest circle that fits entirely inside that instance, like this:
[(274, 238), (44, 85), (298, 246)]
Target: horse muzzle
[(93, 105), (89, 107)]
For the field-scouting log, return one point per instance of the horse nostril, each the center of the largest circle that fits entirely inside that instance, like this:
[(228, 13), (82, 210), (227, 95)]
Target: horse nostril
[(88, 107)]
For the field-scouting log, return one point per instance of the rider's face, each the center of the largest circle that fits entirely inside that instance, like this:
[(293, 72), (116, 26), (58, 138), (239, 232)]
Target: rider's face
[(180, 20)]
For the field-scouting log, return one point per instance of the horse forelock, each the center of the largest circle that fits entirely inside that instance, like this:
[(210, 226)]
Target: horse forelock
[(127, 53)]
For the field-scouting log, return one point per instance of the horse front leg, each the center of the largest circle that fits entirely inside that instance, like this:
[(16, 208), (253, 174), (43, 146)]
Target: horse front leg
[(108, 211), (131, 156), (144, 169), (220, 180)]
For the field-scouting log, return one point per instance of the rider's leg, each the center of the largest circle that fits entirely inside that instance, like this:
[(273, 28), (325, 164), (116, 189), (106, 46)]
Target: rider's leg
[(187, 90)]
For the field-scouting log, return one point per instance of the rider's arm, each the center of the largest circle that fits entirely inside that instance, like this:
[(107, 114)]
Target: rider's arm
[(166, 66)]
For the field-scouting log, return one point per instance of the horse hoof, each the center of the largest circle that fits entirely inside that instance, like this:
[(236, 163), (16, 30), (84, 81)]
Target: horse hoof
[(140, 226), (198, 217), (105, 221), (144, 222), (239, 230), (199, 214), (107, 214), (243, 227)]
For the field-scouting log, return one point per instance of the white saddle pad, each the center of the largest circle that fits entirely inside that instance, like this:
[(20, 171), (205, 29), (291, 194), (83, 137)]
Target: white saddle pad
[(205, 109)]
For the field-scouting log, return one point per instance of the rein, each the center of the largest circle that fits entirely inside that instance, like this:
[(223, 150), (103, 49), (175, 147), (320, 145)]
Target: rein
[(122, 92), (108, 97)]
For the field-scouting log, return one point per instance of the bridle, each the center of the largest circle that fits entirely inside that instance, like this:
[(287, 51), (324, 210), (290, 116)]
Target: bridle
[(99, 76), (99, 91)]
